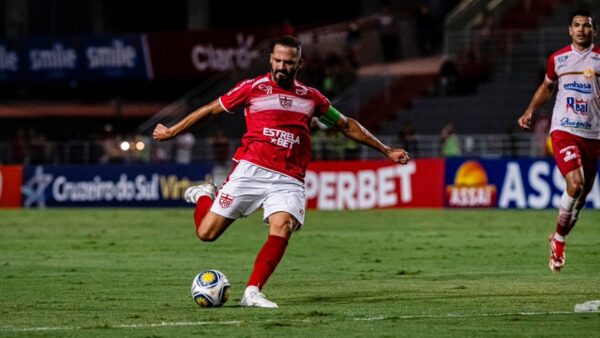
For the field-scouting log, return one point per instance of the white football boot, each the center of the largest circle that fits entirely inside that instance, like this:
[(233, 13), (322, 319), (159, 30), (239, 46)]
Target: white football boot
[(253, 297), (193, 193)]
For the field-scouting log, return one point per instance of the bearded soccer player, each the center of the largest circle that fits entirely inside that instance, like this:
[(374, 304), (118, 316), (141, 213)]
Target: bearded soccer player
[(575, 128), (272, 159)]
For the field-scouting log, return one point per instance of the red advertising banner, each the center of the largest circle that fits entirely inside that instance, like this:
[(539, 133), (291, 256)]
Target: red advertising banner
[(337, 185), (11, 178), (189, 55)]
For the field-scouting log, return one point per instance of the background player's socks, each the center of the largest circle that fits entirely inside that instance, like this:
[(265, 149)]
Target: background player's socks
[(564, 220), (565, 213), (202, 206), (267, 260), (558, 237), (574, 218)]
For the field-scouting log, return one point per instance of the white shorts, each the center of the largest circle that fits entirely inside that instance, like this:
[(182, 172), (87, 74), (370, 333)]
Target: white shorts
[(250, 187)]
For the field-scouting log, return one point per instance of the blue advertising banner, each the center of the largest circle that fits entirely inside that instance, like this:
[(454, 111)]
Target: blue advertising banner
[(501, 183), (148, 56), (52, 59), (10, 60), (102, 57), (109, 185), (115, 57)]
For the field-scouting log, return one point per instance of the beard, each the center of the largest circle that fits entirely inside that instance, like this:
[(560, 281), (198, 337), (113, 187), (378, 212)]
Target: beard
[(283, 78)]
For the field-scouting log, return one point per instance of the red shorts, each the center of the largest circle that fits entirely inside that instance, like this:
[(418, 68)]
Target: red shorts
[(572, 152)]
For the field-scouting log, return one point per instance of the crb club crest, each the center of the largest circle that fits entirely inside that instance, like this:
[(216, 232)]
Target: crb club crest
[(225, 200), (285, 102)]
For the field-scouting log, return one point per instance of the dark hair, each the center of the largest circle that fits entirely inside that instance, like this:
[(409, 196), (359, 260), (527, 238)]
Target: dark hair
[(288, 41), (586, 13)]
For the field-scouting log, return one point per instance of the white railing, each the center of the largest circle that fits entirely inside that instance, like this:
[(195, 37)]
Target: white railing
[(423, 146)]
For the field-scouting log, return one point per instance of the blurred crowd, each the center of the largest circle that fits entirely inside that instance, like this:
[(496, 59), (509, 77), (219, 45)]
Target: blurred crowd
[(331, 72), (460, 74), (29, 146)]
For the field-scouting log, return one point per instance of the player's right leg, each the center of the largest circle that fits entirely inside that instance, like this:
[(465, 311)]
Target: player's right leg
[(579, 183), (213, 226), (209, 226), (568, 156), (568, 201)]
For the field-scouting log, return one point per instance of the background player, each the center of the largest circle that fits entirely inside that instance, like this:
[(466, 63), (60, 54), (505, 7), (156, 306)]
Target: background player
[(575, 128), (272, 159)]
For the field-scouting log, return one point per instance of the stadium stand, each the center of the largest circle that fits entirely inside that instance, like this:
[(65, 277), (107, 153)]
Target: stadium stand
[(517, 60), (385, 96)]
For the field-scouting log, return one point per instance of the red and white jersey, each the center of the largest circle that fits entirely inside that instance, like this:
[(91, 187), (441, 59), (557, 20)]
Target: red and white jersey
[(577, 106), (277, 123)]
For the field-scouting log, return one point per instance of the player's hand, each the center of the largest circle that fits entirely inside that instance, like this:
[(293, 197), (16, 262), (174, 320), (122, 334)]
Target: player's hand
[(162, 133), (398, 156), (525, 120)]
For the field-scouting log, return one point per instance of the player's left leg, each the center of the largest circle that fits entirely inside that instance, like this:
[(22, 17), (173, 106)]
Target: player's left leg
[(590, 168), (280, 231), (281, 225), (568, 156), (283, 207), (568, 200)]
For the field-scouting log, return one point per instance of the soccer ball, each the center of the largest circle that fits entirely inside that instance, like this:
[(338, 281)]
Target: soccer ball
[(210, 288)]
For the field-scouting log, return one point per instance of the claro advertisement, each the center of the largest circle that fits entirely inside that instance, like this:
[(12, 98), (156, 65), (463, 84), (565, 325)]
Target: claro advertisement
[(155, 55)]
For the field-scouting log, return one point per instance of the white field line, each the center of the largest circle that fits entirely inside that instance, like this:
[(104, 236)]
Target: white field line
[(238, 322), (121, 326), (471, 315)]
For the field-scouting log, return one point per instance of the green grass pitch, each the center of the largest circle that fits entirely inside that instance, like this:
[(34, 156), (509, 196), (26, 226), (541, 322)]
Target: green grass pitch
[(380, 273)]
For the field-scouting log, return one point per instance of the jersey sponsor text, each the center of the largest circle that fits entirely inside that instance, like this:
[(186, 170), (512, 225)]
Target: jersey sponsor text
[(281, 138)]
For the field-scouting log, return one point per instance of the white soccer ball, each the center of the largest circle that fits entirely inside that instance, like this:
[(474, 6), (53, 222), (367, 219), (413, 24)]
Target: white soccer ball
[(210, 288)]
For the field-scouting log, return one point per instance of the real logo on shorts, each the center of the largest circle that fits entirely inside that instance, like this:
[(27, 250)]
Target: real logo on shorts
[(225, 200)]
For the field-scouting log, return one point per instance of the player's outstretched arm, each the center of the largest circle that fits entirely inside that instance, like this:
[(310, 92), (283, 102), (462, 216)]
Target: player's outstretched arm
[(200, 115), (354, 130), (541, 96)]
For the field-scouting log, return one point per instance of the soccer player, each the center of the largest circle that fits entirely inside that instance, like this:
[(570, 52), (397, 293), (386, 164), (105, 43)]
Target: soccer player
[(575, 127), (272, 159)]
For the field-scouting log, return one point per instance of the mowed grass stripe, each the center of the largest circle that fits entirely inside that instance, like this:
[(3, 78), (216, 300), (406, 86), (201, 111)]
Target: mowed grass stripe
[(352, 273), (236, 322)]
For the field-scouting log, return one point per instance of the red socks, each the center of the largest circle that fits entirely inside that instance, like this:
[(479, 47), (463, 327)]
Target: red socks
[(566, 211), (563, 223), (268, 257), (202, 207), (267, 260)]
